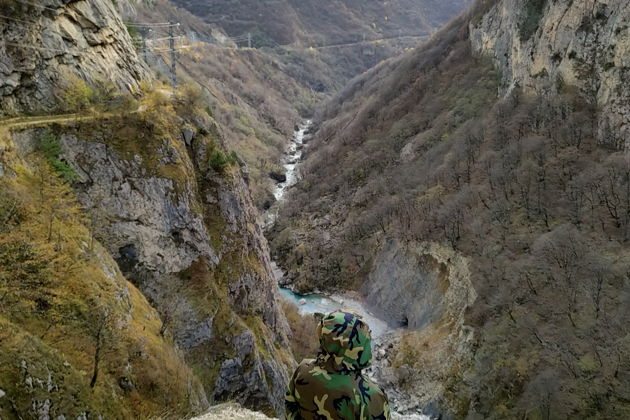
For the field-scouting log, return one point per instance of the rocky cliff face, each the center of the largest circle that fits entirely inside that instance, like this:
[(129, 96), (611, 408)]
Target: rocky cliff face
[(168, 204), (543, 46), (415, 285), (77, 339), (187, 237), (426, 288), (44, 43)]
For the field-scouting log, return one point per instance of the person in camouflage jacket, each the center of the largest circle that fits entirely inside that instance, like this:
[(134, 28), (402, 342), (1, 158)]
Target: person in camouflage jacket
[(333, 386)]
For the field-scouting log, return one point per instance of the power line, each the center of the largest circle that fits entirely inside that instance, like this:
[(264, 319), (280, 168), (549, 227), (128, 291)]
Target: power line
[(183, 47), (165, 38), (152, 25)]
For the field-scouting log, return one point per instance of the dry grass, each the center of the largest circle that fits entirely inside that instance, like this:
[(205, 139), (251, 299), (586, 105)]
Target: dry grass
[(304, 342), (53, 286)]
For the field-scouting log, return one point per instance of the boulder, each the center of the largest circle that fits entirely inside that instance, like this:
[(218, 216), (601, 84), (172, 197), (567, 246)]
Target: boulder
[(278, 177), (188, 134)]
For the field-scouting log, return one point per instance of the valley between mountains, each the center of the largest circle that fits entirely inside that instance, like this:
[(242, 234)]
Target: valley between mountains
[(183, 183)]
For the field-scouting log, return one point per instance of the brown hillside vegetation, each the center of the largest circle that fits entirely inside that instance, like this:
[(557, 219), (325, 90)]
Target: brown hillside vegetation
[(75, 336), (421, 149), (258, 95), (299, 25), (287, 21), (254, 96), (254, 101)]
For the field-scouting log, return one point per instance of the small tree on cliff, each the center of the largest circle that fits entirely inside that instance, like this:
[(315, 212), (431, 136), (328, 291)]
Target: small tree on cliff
[(102, 329), (77, 96)]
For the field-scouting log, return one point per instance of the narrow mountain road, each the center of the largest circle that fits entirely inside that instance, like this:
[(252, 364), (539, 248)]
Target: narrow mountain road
[(352, 43), (25, 122)]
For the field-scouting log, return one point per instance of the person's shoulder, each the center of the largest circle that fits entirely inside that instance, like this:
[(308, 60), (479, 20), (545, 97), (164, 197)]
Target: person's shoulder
[(307, 364), (373, 389), (305, 367), (376, 399)]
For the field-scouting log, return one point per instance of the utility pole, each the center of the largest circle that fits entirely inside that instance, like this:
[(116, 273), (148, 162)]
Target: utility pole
[(144, 45), (171, 42), (249, 39)]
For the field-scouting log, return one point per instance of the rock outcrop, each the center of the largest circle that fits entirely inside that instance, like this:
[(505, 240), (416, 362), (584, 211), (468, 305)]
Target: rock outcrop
[(544, 46), (231, 412), (415, 285), (45, 43), (91, 345), (427, 288), (184, 232), (188, 237)]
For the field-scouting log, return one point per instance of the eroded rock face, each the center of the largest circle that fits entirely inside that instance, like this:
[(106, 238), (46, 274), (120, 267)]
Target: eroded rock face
[(411, 285), (428, 286), (46, 44), (580, 43)]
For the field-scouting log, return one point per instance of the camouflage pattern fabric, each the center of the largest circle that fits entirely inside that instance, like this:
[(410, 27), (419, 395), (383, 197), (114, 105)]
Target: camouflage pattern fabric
[(333, 387)]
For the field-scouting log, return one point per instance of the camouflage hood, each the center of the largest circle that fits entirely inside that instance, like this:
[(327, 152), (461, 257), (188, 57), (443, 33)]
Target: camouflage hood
[(345, 341)]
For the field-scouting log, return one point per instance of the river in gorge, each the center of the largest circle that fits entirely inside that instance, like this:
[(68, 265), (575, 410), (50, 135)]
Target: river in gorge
[(382, 332), (312, 303)]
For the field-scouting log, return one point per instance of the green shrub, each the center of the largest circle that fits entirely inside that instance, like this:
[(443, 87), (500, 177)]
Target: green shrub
[(77, 95), (133, 32), (50, 148), (220, 161)]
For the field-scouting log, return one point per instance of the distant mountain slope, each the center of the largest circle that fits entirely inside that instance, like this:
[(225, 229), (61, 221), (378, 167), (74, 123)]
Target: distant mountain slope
[(288, 21), (490, 157), (300, 24)]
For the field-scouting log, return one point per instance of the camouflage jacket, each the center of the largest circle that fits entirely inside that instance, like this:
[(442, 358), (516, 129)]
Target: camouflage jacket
[(333, 387)]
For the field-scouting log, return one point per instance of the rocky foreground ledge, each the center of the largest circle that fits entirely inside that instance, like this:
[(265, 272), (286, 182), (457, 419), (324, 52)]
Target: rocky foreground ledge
[(232, 412)]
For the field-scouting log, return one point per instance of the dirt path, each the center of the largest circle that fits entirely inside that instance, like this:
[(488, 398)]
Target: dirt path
[(25, 122)]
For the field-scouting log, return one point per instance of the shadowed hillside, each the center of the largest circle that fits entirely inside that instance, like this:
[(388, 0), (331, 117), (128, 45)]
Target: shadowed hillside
[(525, 186)]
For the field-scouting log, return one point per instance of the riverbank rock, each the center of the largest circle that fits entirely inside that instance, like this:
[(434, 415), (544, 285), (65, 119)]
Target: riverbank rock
[(413, 286), (428, 287), (278, 177)]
